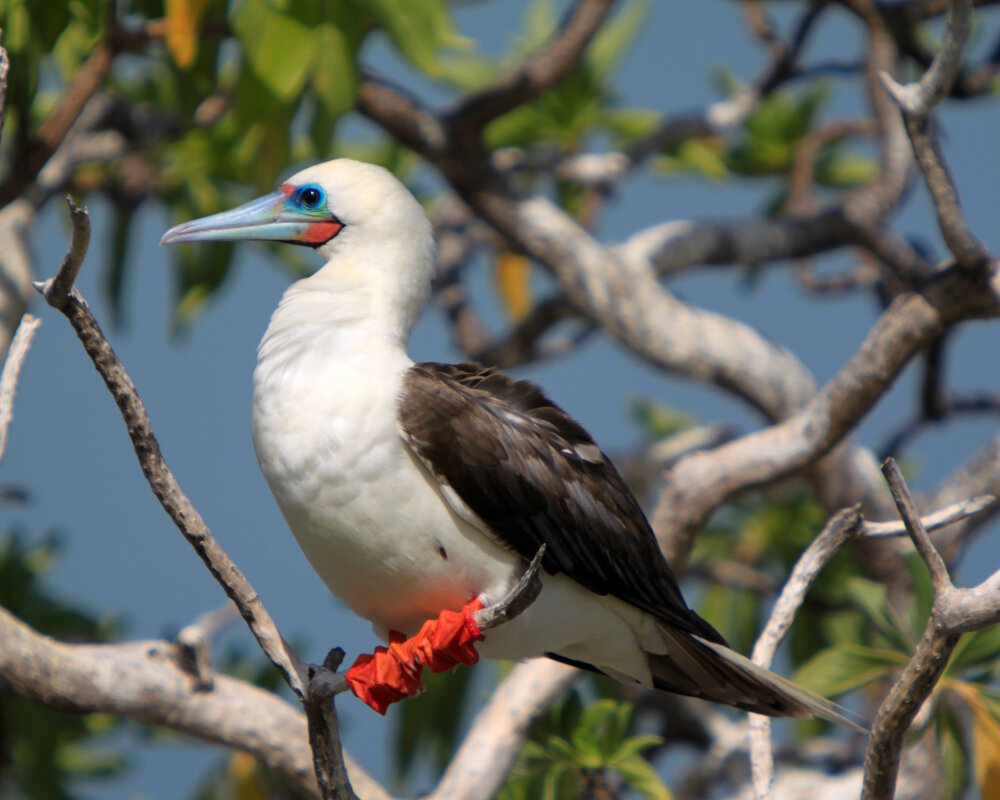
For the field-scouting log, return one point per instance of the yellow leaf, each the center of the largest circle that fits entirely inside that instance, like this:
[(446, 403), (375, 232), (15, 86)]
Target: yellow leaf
[(986, 739), (183, 18), (513, 279), (242, 773)]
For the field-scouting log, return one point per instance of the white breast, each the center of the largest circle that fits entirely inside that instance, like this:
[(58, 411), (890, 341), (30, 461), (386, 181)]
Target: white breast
[(363, 510)]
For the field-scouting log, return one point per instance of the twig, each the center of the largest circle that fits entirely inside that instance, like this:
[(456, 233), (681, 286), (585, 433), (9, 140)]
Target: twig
[(916, 102), (86, 82), (61, 294), (954, 612), (537, 73), (841, 526), (4, 68), (324, 736), (490, 749), (11, 370), (931, 522), (921, 97), (915, 527), (194, 644), (143, 681), (57, 290)]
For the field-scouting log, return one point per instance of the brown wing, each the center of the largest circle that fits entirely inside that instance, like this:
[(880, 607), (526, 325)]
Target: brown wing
[(533, 475)]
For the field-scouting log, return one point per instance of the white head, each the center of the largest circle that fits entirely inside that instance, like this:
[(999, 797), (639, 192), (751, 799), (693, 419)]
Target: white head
[(374, 236)]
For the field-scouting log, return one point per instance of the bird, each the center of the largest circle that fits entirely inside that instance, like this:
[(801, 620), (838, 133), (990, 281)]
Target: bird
[(419, 491)]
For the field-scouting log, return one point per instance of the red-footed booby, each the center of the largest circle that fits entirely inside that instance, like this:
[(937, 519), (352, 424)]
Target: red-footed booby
[(419, 491)]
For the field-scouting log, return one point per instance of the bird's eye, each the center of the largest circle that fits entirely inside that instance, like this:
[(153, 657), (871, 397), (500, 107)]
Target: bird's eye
[(310, 197)]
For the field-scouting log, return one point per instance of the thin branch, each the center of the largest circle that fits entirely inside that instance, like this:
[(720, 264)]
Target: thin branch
[(538, 73), (4, 69), (915, 527), (916, 102), (61, 294), (920, 98), (954, 612), (194, 644), (942, 518), (144, 681), (86, 82), (57, 290), (11, 371), (491, 747), (840, 527), (324, 731)]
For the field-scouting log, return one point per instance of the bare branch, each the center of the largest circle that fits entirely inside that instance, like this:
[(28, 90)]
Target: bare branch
[(840, 527), (57, 290), (920, 98), (194, 644), (86, 82), (11, 371), (491, 747), (537, 73), (324, 736), (60, 293), (4, 69), (954, 611), (942, 518), (915, 527), (703, 481), (916, 102), (143, 681)]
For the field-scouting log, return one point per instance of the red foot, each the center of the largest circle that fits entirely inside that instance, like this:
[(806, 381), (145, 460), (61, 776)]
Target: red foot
[(393, 673)]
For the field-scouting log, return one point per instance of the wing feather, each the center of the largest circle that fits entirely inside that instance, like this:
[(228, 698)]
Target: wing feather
[(533, 475)]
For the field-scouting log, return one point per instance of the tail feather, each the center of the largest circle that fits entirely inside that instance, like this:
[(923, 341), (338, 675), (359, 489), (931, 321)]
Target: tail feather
[(699, 668)]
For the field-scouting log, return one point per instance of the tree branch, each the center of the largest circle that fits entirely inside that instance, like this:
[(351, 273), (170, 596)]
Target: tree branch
[(538, 73), (86, 82), (954, 612), (11, 371), (916, 102), (838, 530), (61, 294), (145, 682), (491, 747)]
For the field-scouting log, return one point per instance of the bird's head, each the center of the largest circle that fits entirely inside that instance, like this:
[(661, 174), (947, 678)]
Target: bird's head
[(367, 225)]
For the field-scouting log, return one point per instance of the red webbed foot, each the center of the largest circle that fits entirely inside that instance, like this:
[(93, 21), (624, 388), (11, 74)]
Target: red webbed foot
[(393, 673)]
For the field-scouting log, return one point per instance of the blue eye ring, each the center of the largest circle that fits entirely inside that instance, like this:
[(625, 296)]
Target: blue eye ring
[(310, 197)]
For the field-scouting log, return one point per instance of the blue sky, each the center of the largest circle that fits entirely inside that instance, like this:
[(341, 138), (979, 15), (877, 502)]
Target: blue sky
[(123, 557)]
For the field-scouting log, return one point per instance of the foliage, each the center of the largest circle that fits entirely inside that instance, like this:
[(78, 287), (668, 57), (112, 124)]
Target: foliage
[(577, 748), (45, 754)]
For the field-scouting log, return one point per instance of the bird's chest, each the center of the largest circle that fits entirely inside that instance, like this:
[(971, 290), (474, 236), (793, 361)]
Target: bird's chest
[(362, 510)]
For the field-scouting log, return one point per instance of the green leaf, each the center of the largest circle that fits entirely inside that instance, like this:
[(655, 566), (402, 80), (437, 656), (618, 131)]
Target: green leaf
[(418, 28), (614, 39), (846, 667), (705, 156), (838, 169), (278, 47), (953, 748), (629, 124), (633, 746), (981, 648), (641, 777), (334, 74), (659, 420), (872, 599), (427, 726)]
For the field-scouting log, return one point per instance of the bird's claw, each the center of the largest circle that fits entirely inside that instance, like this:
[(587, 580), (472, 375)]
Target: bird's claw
[(393, 673)]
